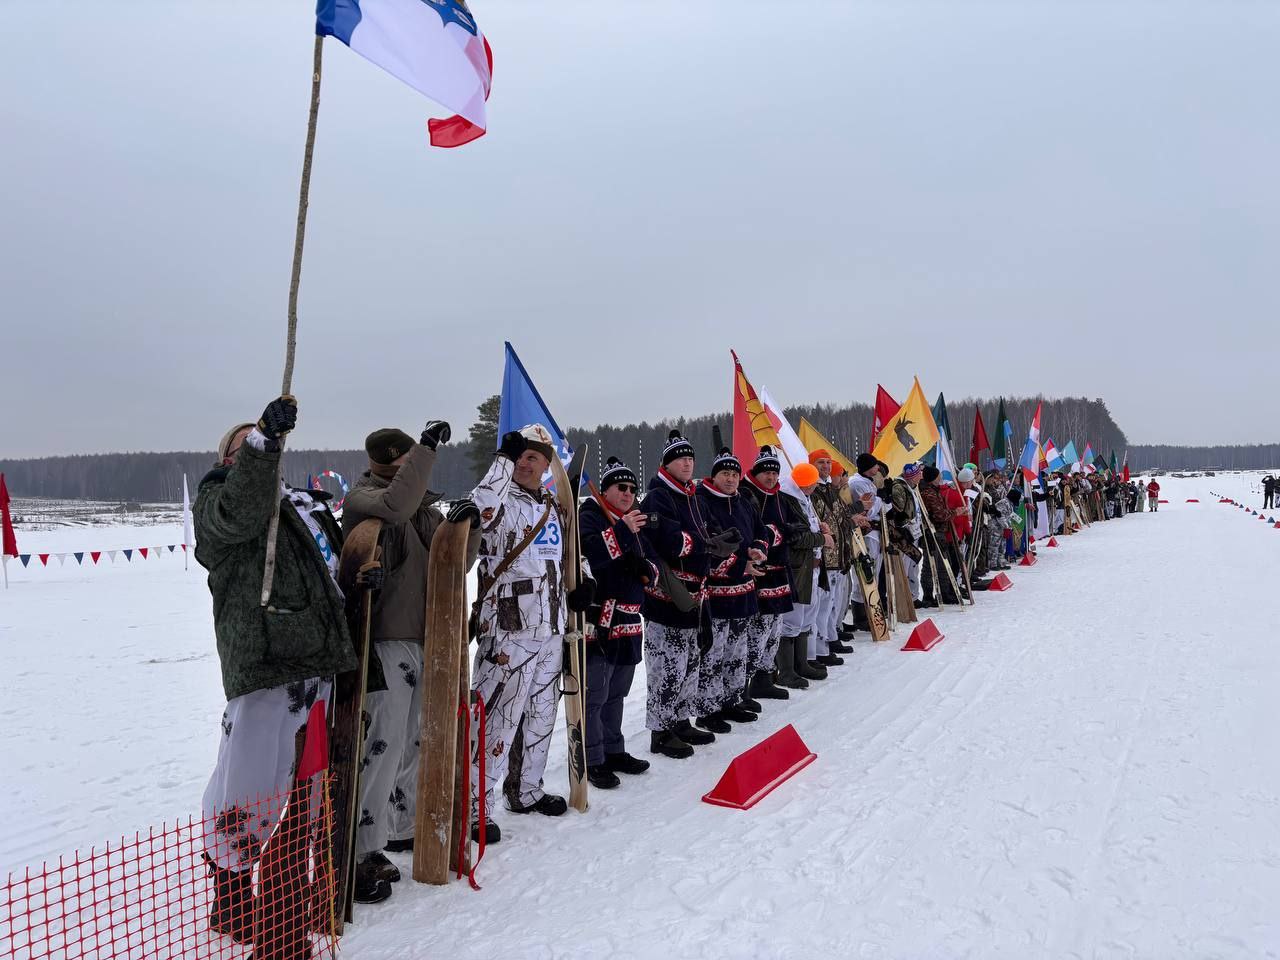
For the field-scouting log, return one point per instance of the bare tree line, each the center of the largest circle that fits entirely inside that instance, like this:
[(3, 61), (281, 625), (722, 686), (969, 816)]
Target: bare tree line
[(157, 477)]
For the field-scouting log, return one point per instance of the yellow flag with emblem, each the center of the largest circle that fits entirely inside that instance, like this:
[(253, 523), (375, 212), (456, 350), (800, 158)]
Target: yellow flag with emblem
[(909, 435), (814, 440)]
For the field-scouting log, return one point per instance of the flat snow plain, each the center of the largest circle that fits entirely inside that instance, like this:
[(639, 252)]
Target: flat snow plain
[(1086, 767)]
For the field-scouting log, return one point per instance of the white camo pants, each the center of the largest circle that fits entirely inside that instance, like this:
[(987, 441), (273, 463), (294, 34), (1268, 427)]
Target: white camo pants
[(389, 770), (251, 781), (517, 673)]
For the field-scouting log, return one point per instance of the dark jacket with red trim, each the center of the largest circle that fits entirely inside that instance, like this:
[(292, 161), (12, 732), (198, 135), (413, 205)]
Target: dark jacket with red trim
[(731, 591), (679, 538), (773, 590), (618, 559)]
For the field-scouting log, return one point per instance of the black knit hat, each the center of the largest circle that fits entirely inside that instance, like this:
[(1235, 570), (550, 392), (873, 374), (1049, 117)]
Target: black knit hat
[(766, 461), (615, 471), (677, 447), (930, 474), (385, 445), (725, 460), (866, 462)]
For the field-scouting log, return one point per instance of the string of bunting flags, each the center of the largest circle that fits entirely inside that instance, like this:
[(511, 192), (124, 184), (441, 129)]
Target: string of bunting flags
[(93, 556)]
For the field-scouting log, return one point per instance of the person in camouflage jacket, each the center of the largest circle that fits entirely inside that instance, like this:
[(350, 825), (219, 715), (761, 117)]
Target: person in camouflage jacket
[(278, 660)]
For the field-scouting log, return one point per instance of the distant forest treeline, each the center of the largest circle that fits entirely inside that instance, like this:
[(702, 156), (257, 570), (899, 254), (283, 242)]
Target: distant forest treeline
[(157, 477)]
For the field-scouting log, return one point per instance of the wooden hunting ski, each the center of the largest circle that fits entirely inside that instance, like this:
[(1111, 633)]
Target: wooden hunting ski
[(360, 551)]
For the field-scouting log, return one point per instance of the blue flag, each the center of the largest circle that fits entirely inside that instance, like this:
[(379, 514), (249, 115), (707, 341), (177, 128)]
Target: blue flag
[(522, 405)]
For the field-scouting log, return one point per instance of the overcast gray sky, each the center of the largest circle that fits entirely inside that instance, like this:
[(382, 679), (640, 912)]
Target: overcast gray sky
[(1074, 198)]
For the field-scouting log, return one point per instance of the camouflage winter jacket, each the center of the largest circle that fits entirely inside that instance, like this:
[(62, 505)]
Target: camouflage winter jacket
[(836, 514), (302, 631)]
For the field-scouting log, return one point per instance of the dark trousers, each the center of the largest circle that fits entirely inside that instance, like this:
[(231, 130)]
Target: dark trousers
[(607, 687)]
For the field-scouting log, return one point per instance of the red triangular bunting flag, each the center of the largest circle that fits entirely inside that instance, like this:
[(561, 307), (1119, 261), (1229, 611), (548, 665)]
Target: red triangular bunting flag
[(143, 551), (44, 559)]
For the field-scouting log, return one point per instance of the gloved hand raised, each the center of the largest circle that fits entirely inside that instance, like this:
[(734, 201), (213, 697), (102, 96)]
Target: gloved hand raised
[(278, 418), (435, 433), (513, 446), (464, 509)]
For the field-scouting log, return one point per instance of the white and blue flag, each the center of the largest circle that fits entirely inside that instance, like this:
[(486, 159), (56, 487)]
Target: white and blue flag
[(435, 46)]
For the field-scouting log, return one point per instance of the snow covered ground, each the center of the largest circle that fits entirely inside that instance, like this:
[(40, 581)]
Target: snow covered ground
[(1085, 767)]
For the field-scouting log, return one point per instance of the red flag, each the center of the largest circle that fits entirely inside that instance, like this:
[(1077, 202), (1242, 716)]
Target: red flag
[(457, 131), (752, 428), (886, 407), (8, 542), (980, 441), (315, 749)]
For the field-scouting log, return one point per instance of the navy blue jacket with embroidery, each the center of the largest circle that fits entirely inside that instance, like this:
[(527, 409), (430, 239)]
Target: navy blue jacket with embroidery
[(731, 591), (774, 593), (680, 539), (607, 543)]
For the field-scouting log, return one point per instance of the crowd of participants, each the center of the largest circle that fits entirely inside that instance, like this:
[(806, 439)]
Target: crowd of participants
[(732, 585)]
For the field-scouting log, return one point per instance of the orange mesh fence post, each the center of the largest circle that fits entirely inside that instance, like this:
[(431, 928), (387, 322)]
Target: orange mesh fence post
[(154, 894)]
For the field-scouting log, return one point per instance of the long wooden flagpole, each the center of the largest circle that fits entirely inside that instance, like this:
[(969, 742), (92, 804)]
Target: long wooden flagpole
[(269, 568)]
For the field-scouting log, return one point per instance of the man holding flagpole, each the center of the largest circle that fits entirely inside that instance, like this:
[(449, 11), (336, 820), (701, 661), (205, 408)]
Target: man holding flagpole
[(522, 618)]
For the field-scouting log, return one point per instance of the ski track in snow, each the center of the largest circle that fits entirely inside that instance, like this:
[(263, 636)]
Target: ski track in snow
[(1084, 768)]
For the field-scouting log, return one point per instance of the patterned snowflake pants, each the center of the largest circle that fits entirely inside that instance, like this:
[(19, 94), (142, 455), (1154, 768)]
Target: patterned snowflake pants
[(518, 675), (389, 770), (608, 684), (251, 781), (762, 646), (671, 667), (995, 545), (722, 673)]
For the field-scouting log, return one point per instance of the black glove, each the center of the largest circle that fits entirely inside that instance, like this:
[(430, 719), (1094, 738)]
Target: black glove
[(464, 509), (279, 417), (513, 445), (724, 544), (371, 577), (581, 596), (435, 433), (637, 567), (885, 493)]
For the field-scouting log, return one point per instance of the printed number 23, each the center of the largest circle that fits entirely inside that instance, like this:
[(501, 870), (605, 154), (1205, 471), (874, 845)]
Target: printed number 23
[(549, 535)]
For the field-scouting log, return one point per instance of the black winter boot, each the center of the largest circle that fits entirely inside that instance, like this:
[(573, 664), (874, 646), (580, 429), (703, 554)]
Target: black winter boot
[(492, 833), (830, 660), (803, 665), (687, 732), (715, 722), (837, 646), (787, 675), (602, 778), (762, 686), (387, 870), (668, 744), (369, 886), (625, 763), (737, 713)]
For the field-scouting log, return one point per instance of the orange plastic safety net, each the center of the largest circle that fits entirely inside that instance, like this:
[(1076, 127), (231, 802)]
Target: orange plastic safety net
[(199, 889)]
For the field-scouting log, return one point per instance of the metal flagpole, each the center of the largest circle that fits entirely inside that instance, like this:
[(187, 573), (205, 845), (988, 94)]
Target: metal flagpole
[(269, 568)]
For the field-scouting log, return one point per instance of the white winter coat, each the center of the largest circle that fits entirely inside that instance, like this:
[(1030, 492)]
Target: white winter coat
[(529, 596)]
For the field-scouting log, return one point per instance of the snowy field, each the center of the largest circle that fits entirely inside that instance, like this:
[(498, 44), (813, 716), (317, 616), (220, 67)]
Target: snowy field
[(1086, 767)]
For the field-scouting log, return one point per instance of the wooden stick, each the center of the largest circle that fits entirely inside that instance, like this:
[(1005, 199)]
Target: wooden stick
[(273, 528)]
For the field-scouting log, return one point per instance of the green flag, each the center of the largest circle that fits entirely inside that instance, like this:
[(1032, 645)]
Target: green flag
[(944, 430)]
